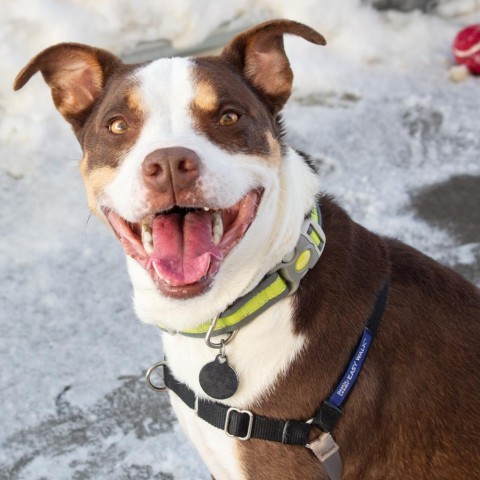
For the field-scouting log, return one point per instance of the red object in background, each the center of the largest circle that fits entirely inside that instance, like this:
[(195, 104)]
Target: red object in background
[(466, 48)]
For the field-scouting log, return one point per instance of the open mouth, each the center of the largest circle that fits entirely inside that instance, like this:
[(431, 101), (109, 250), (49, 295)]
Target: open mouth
[(182, 248)]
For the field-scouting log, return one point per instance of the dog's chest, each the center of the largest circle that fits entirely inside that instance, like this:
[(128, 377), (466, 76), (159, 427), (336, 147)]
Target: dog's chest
[(260, 352)]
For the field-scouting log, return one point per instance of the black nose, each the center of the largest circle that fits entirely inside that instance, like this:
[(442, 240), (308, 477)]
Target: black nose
[(174, 168)]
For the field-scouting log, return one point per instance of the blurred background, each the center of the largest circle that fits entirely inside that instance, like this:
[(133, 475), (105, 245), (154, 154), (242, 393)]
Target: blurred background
[(397, 141)]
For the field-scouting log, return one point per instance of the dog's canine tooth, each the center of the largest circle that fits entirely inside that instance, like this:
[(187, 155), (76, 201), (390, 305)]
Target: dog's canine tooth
[(156, 270), (217, 227), (206, 209), (147, 239)]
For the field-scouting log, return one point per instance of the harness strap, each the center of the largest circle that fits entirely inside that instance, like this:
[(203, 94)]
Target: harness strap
[(238, 423), (330, 410)]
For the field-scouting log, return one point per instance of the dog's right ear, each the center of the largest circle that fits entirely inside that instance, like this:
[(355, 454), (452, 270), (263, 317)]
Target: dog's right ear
[(260, 56), (75, 73)]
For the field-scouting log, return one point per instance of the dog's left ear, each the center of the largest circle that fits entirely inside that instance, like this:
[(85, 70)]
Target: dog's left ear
[(260, 56)]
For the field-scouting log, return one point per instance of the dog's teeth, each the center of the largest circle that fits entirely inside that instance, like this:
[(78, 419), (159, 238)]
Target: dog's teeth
[(159, 273), (206, 209), (147, 238), (217, 227), (148, 243)]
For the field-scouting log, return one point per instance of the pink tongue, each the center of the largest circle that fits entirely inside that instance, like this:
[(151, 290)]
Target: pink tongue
[(183, 247)]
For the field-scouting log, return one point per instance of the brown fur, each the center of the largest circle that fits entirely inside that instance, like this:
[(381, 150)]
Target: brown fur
[(76, 74), (413, 413), (119, 99), (259, 55), (221, 89)]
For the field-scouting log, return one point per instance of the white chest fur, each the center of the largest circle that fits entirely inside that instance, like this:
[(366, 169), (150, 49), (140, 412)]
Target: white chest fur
[(260, 352)]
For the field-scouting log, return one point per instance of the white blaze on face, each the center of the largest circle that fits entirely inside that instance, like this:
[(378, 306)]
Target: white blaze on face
[(166, 91)]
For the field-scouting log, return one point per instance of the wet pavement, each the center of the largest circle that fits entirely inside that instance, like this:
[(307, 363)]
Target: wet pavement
[(87, 432), (454, 205)]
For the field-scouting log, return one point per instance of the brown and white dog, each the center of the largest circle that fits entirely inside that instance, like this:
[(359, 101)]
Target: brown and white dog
[(185, 159)]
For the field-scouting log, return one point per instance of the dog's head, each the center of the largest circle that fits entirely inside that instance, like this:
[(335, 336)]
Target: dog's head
[(184, 158)]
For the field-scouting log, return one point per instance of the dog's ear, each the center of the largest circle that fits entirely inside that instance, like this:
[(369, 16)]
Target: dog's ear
[(260, 56), (75, 73)]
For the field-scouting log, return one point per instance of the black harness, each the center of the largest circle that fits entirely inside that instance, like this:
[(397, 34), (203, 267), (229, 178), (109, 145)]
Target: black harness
[(243, 424)]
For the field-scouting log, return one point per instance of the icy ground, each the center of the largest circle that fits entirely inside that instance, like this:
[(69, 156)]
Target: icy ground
[(398, 145)]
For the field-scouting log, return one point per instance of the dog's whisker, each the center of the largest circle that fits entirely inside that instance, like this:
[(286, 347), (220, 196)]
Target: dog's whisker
[(88, 219)]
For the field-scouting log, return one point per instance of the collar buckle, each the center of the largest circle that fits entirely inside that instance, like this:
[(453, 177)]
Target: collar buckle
[(306, 253)]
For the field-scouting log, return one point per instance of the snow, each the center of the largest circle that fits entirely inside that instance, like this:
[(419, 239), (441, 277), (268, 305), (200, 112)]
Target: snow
[(375, 107)]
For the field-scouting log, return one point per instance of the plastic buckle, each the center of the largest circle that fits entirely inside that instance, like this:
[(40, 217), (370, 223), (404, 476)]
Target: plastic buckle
[(250, 423), (308, 224), (328, 453), (304, 256)]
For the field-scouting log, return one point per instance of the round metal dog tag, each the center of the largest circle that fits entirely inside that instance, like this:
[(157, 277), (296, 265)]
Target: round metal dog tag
[(218, 379)]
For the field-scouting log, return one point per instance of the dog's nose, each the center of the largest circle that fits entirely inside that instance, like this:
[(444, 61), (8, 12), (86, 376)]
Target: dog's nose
[(168, 168)]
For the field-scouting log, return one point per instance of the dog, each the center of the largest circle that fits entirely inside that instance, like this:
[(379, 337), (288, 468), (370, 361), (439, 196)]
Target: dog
[(299, 345)]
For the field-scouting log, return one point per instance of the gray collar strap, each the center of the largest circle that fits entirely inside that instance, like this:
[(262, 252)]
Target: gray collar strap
[(281, 281)]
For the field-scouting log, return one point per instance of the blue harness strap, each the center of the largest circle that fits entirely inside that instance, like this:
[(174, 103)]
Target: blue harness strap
[(331, 410), (351, 374)]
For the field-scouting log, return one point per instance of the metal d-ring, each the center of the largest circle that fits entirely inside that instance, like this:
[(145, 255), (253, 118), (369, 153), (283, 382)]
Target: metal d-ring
[(149, 373), (222, 342)]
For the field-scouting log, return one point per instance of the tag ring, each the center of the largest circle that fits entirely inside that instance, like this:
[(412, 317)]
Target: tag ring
[(223, 342)]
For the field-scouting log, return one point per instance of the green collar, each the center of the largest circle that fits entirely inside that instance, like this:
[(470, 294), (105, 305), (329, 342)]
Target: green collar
[(281, 281)]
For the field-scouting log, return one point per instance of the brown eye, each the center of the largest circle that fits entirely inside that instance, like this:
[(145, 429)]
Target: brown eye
[(118, 126), (228, 119)]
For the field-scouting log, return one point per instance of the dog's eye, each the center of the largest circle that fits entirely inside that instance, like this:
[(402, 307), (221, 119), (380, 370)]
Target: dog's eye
[(118, 126), (229, 118)]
